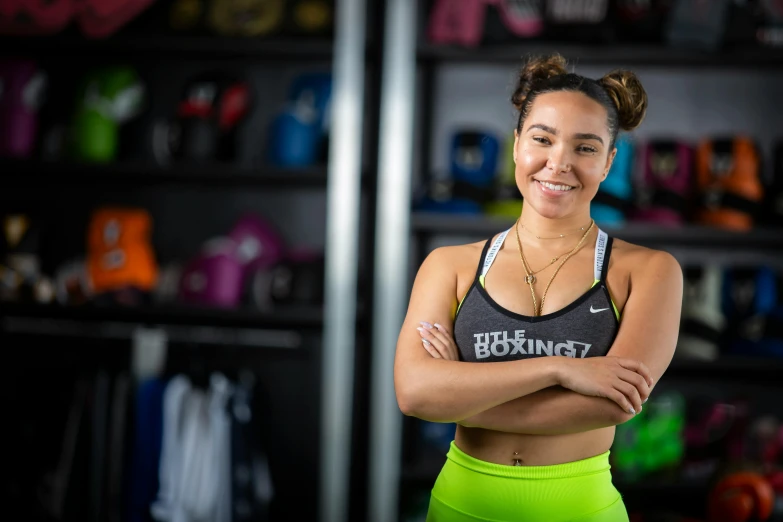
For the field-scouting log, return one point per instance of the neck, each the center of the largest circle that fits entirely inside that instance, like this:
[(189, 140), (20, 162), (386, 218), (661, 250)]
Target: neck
[(544, 227)]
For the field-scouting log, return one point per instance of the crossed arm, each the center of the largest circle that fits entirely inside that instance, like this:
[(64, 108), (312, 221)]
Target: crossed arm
[(648, 333)]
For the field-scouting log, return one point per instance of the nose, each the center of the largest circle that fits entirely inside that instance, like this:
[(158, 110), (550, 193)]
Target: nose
[(558, 161)]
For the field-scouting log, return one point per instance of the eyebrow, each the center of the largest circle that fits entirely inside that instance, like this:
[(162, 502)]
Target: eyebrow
[(578, 136)]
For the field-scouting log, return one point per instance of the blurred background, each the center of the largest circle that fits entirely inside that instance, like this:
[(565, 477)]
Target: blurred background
[(213, 211)]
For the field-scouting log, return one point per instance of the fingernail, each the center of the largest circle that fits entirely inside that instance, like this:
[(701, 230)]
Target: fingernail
[(438, 326), (633, 411), (419, 328), (426, 325), (425, 341), (645, 400)]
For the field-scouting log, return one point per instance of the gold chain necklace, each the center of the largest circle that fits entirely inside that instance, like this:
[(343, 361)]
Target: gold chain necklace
[(530, 278), (556, 237)]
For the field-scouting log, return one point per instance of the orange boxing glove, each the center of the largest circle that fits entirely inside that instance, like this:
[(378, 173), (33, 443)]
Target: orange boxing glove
[(741, 497), (728, 180), (120, 251)]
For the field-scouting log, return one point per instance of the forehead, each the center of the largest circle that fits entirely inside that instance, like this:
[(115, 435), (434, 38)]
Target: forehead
[(569, 112)]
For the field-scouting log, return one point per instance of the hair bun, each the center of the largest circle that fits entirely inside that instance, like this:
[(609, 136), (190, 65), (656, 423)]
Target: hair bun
[(628, 95), (536, 69)]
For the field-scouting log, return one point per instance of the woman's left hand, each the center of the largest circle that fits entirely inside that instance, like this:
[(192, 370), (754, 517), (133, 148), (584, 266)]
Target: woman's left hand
[(438, 341)]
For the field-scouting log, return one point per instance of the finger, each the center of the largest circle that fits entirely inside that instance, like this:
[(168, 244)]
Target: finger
[(637, 381), (434, 333), (435, 342), (638, 367), (442, 329), (632, 394), (431, 349), (621, 400)]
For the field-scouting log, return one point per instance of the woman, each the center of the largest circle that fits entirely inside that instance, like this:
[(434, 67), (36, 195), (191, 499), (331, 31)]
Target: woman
[(542, 302)]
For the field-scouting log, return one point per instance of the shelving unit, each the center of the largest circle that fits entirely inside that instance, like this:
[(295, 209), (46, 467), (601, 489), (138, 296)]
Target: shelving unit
[(19, 174), (309, 349)]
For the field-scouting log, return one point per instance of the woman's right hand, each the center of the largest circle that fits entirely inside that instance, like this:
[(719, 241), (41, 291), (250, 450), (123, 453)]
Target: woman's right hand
[(624, 381)]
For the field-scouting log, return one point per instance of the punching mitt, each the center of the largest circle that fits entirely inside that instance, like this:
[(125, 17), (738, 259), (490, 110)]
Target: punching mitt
[(119, 250), (298, 136), (612, 203), (22, 87), (664, 184), (246, 17), (109, 97), (703, 322), (209, 119), (728, 183)]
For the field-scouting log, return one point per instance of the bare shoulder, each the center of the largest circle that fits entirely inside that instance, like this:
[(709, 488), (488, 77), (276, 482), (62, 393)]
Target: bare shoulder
[(642, 264), (455, 261)]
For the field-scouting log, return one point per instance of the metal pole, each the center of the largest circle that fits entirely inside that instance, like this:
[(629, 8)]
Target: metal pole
[(342, 230), (392, 232)]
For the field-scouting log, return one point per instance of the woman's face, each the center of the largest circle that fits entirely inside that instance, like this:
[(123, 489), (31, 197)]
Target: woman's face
[(562, 153)]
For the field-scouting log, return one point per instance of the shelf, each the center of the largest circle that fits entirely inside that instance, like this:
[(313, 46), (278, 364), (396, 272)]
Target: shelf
[(690, 236), (155, 46), (279, 329), (758, 370), (626, 54), (19, 174)]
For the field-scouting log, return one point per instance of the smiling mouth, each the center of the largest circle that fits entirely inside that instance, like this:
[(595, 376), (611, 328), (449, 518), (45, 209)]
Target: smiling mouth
[(555, 186)]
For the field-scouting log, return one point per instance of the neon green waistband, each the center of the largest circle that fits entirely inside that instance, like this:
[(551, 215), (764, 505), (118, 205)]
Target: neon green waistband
[(588, 466)]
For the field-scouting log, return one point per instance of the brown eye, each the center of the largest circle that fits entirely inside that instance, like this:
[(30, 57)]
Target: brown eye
[(541, 139)]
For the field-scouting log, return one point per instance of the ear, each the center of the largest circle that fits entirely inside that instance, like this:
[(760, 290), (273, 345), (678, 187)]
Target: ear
[(516, 143), (609, 162)]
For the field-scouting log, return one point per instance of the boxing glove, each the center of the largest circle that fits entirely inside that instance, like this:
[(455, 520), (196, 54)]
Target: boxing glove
[(507, 200), (641, 20), (457, 22), (664, 184), (246, 17), (512, 20), (298, 136), (698, 24), (309, 17), (102, 18), (214, 278), (35, 16), (612, 203), (258, 245), (109, 98), (728, 183), (119, 250), (22, 88), (209, 120), (774, 193), (703, 321), (741, 497), (583, 21)]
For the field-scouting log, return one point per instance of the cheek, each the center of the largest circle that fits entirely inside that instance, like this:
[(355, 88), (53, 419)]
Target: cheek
[(530, 160)]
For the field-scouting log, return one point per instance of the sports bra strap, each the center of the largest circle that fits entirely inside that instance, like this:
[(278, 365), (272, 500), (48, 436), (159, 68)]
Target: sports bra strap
[(603, 249), (493, 252)]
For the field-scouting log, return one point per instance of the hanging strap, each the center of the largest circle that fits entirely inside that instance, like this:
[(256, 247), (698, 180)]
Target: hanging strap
[(603, 249), (493, 252)]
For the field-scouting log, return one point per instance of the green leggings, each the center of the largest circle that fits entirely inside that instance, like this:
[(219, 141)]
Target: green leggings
[(469, 490)]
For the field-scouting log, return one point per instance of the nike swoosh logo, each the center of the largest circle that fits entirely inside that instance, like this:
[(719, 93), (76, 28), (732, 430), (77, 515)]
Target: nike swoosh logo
[(594, 311)]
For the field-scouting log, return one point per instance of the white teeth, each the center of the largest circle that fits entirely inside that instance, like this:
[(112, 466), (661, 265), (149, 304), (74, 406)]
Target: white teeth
[(556, 187)]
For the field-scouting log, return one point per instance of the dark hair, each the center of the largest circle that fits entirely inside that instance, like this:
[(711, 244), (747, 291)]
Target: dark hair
[(619, 92)]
